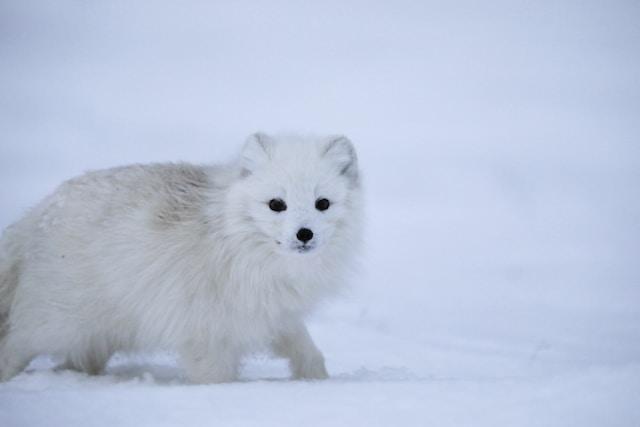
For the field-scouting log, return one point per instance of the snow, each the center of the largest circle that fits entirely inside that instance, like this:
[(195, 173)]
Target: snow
[(361, 398), (499, 142)]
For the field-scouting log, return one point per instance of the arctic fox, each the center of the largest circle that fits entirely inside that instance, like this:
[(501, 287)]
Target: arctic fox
[(211, 262)]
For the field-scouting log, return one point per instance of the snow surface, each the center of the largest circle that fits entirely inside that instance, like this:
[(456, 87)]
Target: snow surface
[(500, 147)]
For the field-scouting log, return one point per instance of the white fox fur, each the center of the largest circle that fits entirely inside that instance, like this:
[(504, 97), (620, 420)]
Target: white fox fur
[(183, 258)]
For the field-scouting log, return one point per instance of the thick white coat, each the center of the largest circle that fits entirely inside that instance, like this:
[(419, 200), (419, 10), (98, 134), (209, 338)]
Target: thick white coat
[(183, 258)]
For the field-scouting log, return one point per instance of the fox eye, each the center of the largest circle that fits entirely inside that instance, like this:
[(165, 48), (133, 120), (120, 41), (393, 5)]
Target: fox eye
[(322, 204), (277, 205)]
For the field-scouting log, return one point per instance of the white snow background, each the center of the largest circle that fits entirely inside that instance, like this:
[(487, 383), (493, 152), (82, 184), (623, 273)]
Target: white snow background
[(499, 143)]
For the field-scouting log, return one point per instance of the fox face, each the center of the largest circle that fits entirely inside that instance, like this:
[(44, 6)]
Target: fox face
[(298, 194)]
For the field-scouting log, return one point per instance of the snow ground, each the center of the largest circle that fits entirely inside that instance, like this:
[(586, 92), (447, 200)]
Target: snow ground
[(499, 142), (149, 394)]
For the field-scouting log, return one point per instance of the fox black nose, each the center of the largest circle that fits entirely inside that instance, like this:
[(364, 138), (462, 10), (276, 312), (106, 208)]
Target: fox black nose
[(304, 235)]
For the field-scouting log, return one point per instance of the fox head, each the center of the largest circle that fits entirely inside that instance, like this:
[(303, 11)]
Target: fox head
[(298, 196)]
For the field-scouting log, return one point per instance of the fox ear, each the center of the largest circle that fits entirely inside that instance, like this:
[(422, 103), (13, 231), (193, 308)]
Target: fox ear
[(341, 151), (256, 151)]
